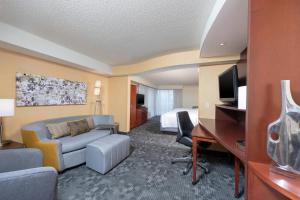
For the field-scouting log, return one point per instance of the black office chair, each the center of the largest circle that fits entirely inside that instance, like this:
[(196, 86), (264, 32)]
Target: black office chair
[(184, 136)]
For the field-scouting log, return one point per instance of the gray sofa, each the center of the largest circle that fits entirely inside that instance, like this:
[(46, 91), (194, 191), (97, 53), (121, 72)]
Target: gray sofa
[(67, 151), (22, 176)]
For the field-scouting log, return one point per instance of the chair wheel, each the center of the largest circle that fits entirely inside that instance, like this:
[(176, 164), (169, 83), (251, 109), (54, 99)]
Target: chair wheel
[(172, 162), (184, 172), (206, 171)]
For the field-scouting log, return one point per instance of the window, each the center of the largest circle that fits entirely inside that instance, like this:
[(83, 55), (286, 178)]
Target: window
[(160, 101)]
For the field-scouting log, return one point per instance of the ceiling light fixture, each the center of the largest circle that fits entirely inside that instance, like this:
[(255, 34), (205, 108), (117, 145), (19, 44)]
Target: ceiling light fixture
[(222, 44)]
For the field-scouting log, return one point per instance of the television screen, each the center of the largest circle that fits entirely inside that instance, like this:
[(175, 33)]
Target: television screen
[(228, 84), (140, 99)]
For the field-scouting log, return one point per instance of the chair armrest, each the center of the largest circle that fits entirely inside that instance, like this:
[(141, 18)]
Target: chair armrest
[(17, 159), (35, 183), (51, 149)]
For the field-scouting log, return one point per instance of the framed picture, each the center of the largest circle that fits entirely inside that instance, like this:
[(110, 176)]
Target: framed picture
[(36, 90)]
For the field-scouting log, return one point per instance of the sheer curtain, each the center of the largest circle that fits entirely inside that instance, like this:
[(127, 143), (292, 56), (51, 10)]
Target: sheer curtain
[(160, 101), (167, 100), (164, 101), (177, 99), (150, 98)]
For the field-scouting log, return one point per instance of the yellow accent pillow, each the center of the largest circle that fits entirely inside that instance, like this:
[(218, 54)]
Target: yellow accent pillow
[(58, 130)]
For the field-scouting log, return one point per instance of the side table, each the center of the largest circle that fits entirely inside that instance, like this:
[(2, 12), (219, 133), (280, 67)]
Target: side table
[(116, 128), (12, 145)]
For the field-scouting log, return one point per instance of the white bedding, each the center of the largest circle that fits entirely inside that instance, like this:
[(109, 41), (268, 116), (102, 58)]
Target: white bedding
[(169, 120)]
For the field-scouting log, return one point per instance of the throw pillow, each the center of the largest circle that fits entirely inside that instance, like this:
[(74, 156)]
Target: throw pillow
[(78, 127), (90, 122), (58, 130)]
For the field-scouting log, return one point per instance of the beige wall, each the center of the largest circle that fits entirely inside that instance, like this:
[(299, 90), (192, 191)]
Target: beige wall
[(140, 80), (170, 87), (209, 89), (190, 96), (119, 101), (171, 60), (10, 63)]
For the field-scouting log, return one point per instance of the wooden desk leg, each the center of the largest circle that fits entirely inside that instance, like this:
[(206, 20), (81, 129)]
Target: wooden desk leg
[(236, 177), (195, 179)]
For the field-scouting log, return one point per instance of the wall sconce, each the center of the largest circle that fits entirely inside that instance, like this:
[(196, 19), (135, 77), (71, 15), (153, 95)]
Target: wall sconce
[(97, 88), (98, 84), (97, 92)]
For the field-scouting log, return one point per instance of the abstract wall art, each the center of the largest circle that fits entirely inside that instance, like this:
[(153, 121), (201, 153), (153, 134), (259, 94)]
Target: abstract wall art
[(36, 90)]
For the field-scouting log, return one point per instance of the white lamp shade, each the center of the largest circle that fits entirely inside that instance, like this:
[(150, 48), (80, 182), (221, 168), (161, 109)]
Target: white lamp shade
[(98, 84), (97, 91), (7, 107)]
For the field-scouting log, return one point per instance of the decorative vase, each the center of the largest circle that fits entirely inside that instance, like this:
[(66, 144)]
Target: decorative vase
[(284, 149)]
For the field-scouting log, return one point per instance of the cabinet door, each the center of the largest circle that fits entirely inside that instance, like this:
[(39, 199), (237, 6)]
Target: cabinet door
[(145, 113), (133, 91), (139, 117)]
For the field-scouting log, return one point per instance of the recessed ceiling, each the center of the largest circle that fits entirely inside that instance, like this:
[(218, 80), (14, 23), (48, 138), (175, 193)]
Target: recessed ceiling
[(113, 31), (226, 29), (181, 75)]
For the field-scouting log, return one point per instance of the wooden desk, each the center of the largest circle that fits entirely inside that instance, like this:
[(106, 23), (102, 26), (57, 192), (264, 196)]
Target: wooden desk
[(199, 135), (225, 133)]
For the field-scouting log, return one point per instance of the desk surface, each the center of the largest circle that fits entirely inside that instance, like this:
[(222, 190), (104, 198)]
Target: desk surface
[(202, 134), (288, 186), (224, 132)]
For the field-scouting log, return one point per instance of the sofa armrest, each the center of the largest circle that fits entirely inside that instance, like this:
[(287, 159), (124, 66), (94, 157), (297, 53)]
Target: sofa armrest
[(35, 183), (51, 149), (103, 119), (17, 159)]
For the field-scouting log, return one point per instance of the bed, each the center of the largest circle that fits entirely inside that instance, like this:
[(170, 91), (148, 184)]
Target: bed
[(168, 121)]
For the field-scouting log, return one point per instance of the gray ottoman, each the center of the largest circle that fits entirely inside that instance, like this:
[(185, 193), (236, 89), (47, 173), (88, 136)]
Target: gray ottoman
[(105, 153)]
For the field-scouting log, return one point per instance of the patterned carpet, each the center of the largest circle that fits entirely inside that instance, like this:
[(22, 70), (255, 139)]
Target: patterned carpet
[(147, 174)]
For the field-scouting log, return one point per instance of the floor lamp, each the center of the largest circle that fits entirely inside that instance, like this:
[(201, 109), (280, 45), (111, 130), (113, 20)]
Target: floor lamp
[(7, 109), (97, 92)]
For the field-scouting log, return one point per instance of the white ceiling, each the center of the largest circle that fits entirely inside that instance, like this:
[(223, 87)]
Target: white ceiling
[(181, 75), (113, 31), (227, 24)]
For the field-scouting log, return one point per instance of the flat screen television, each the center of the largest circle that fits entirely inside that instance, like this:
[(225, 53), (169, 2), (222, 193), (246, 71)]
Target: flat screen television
[(140, 99), (228, 85)]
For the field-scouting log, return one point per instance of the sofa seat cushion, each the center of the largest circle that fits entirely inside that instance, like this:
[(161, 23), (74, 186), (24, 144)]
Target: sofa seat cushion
[(80, 141)]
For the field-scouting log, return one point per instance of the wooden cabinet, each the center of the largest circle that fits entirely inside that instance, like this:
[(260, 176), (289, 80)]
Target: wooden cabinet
[(138, 114), (141, 115), (133, 92), (273, 55)]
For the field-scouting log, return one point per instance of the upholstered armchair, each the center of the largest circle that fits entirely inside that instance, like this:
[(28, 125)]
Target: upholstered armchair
[(22, 176)]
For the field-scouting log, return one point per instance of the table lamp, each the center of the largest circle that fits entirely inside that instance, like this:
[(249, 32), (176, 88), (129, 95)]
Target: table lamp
[(7, 108)]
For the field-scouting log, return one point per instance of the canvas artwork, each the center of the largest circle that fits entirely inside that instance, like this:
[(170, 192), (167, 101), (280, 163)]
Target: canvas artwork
[(36, 90)]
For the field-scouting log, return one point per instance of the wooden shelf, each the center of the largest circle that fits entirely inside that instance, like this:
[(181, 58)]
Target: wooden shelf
[(228, 107), (226, 133), (287, 186)]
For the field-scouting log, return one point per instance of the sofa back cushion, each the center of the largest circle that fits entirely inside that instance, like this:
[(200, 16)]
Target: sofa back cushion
[(90, 122), (58, 130), (41, 129), (78, 127)]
